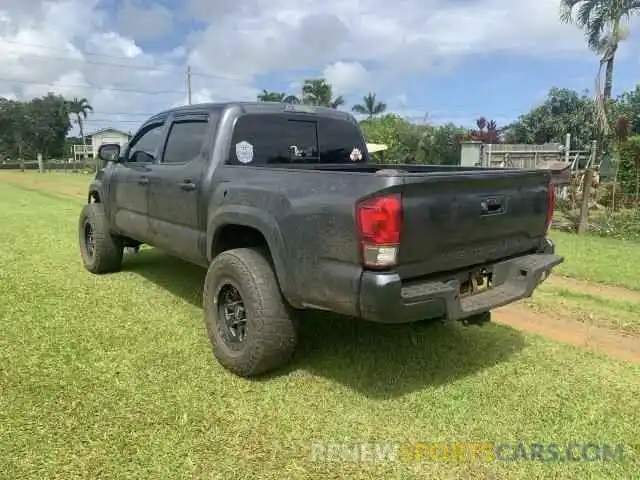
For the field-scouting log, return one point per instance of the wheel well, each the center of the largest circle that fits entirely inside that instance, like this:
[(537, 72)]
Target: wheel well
[(94, 197), (238, 236)]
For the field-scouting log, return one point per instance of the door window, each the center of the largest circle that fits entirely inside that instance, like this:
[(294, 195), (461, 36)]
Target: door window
[(185, 142), (144, 148)]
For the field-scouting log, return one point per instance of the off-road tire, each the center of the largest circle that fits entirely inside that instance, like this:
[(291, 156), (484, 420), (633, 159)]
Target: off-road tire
[(107, 249), (271, 333)]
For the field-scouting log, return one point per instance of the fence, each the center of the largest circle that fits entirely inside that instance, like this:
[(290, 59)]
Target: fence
[(521, 155), (69, 165)]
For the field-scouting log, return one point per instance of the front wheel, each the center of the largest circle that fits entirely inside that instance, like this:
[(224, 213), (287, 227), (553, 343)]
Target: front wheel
[(101, 252), (251, 328)]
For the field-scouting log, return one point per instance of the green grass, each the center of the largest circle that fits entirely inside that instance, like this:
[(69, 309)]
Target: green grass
[(64, 184), (620, 315), (598, 259), (112, 377)]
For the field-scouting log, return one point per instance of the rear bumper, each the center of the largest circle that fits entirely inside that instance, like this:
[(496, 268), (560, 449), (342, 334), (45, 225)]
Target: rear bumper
[(385, 299)]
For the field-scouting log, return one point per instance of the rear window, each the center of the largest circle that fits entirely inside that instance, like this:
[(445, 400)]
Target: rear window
[(282, 139)]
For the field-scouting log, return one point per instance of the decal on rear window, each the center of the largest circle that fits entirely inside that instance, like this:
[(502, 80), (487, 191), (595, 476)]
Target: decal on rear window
[(356, 155), (244, 152)]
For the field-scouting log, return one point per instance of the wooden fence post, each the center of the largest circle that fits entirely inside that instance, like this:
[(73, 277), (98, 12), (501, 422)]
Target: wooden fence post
[(583, 222), (40, 162)]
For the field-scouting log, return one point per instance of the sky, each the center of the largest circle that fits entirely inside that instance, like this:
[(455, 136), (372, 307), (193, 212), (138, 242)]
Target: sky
[(433, 60)]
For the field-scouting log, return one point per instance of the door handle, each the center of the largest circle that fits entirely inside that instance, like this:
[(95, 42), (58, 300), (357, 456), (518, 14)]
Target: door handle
[(188, 185), (143, 181), (491, 206)]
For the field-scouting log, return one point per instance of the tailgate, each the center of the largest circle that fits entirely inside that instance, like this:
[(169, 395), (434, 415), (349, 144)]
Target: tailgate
[(458, 219)]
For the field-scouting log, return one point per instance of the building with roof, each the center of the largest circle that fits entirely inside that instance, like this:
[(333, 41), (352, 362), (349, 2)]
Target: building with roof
[(95, 139)]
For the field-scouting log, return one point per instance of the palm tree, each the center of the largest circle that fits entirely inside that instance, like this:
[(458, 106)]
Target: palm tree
[(319, 92), (370, 106), (602, 22), (80, 109), (267, 96)]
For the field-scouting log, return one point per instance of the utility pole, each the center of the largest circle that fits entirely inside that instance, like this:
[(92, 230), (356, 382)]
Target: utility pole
[(189, 84)]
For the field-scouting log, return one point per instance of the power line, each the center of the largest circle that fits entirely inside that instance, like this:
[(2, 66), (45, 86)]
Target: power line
[(171, 68), (94, 87), (58, 49)]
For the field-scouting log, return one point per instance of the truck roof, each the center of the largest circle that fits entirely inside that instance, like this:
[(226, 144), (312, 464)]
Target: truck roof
[(260, 107)]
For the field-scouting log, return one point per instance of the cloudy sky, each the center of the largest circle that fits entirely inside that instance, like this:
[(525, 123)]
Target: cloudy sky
[(451, 60)]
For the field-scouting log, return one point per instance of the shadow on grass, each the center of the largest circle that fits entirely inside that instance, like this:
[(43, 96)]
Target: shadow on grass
[(378, 360)]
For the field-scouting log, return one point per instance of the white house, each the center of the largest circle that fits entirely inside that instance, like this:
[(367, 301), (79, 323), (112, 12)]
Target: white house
[(95, 139)]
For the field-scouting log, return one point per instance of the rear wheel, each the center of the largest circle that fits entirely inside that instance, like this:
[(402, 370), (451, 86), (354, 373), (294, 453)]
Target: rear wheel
[(101, 252), (251, 328)]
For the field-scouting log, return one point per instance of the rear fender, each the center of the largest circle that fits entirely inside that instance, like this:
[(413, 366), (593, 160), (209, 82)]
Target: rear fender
[(259, 220)]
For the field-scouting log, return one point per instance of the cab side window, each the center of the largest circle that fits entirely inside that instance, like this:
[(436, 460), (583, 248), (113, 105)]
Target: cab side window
[(144, 148), (185, 141)]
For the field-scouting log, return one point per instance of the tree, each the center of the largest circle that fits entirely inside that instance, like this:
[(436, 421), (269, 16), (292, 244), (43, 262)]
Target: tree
[(17, 128), (602, 23), (563, 111), (401, 137), (80, 109), (487, 132), (629, 168), (628, 104), (39, 125), (370, 106), (51, 124), (280, 97), (441, 145), (319, 92)]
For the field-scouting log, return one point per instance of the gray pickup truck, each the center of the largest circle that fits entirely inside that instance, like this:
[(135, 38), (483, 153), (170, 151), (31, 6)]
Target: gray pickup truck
[(283, 207)]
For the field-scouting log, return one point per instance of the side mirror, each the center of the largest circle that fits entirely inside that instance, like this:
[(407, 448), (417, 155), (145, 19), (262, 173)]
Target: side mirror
[(109, 152)]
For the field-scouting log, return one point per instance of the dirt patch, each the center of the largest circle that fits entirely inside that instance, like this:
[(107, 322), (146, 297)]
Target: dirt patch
[(598, 289), (576, 333)]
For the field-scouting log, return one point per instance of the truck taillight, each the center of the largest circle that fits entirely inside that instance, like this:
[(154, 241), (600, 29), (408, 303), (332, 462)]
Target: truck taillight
[(379, 220), (551, 203)]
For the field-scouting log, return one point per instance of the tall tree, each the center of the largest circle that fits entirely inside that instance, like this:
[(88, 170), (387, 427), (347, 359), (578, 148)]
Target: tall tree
[(370, 106), (319, 92), (51, 124), (16, 129), (281, 97), (603, 24), (80, 108)]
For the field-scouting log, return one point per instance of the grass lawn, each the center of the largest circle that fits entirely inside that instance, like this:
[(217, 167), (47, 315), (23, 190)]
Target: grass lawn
[(54, 183), (112, 377), (620, 315), (599, 259)]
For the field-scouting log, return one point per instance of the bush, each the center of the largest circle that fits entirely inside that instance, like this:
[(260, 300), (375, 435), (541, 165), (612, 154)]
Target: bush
[(624, 224), (629, 167), (605, 195)]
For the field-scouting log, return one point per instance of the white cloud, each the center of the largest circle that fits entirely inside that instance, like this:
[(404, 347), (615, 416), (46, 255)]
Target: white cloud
[(346, 77), (410, 34), (44, 48), (359, 45)]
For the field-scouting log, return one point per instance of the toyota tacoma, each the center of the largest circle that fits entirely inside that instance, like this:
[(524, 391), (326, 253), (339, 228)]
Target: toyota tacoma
[(282, 206)]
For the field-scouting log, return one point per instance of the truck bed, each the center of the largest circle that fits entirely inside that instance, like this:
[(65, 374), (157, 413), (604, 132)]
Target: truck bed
[(444, 228)]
